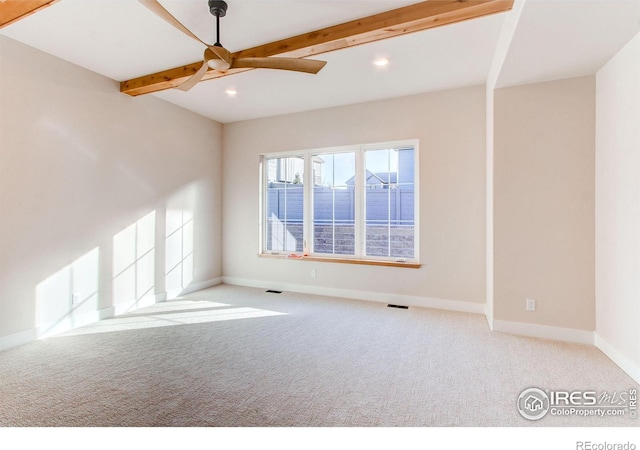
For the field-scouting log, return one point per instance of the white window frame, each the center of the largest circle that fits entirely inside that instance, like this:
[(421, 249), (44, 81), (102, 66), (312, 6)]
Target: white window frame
[(360, 215)]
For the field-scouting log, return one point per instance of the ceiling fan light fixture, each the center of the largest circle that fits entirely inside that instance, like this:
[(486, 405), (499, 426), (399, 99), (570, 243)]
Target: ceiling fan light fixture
[(218, 64)]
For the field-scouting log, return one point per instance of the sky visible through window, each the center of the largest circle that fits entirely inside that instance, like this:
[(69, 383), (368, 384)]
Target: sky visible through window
[(377, 161)]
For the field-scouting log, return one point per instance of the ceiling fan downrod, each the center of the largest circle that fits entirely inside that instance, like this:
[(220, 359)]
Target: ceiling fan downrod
[(219, 9)]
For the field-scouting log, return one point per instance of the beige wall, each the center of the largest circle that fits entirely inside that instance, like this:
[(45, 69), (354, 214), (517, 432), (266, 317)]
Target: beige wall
[(80, 164), (450, 127), (544, 203), (618, 206)]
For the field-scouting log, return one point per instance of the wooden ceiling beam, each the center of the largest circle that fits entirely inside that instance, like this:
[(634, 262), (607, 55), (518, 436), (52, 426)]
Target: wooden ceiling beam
[(408, 19), (13, 10)]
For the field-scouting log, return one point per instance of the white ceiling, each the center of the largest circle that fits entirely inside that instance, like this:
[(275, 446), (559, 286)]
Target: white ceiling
[(121, 39), (558, 39)]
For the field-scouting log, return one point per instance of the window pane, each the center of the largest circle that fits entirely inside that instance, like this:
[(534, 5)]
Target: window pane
[(284, 204), (389, 203), (334, 203)]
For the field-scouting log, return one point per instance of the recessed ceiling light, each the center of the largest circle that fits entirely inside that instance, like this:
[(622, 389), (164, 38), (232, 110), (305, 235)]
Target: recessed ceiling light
[(231, 92), (381, 62)]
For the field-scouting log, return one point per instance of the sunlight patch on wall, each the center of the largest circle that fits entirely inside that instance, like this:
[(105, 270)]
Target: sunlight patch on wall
[(69, 298), (134, 265), (179, 242)]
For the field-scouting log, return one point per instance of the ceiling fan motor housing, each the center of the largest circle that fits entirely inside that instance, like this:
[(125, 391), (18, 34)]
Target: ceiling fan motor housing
[(218, 8)]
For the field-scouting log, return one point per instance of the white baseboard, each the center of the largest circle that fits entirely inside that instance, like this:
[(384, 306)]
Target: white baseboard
[(201, 285), (86, 318), (193, 287), (107, 313), (132, 305), (73, 321), (17, 339), (502, 326), (488, 314), (543, 331), (380, 297), (33, 334), (632, 369)]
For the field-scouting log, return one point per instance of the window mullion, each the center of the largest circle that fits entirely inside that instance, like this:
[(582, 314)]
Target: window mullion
[(262, 219), (307, 204), (333, 210), (360, 204)]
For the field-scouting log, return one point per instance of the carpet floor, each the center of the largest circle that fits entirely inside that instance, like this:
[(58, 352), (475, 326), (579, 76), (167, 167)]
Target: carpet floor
[(240, 357)]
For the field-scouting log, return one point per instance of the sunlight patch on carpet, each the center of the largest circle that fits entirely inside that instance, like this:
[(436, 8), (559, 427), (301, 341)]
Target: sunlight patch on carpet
[(179, 305), (152, 320)]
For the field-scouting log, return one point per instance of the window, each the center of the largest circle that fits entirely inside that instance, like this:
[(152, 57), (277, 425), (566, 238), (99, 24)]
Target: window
[(389, 203), (284, 204), (334, 210), (347, 203)]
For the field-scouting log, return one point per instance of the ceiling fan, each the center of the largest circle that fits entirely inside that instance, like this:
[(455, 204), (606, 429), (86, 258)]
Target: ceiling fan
[(219, 58)]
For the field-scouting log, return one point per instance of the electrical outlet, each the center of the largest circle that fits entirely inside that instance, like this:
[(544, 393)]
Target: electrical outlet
[(314, 273), (531, 304), (75, 298)]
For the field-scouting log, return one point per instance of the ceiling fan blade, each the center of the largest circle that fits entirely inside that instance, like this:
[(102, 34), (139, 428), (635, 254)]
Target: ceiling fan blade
[(155, 7), (159, 10), (271, 62), (195, 78)]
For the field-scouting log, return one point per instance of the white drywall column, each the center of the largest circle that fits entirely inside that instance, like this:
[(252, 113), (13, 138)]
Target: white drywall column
[(506, 35), (618, 208)]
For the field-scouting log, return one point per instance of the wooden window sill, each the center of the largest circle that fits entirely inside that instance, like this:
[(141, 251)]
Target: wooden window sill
[(367, 262)]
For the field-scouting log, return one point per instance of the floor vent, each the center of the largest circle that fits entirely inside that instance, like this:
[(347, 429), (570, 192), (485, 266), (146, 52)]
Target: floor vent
[(397, 306), (271, 291)]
